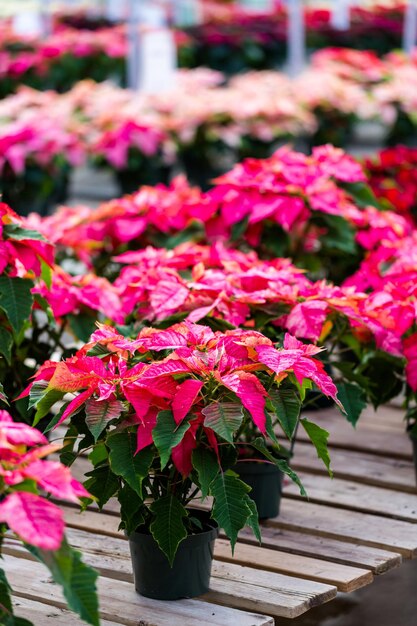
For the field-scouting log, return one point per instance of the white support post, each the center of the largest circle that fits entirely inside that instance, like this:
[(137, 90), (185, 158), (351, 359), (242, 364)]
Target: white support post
[(133, 44), (296, 37), (258, 6), (340, 17), (410, 27), (46, 17)]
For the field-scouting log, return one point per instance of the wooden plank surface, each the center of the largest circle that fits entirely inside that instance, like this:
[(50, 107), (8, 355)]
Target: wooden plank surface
[(333, 550), (345, 578), (232, 584), (369, 530), (382, 433), (358, 497), (121, 604), (44, 615), (293, 596), (370, 469)]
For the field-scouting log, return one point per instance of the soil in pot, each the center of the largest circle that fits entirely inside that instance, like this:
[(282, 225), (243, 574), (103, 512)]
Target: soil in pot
[(265, 479), (190, 574)]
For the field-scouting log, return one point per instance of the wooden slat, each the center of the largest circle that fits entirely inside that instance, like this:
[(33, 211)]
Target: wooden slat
[(369, 435), (278, 595), (361, 467), (377, 560), (351, 495), (369, 530), (120, 603), (45, 615), (345, 578), (232, 584)]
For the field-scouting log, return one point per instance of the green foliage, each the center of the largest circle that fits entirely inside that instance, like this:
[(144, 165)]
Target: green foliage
[(99, 413), (207, 467), (82, 326), (167, 434), (253, 520), (286, 406), (16, 232), (102, 484), (168, 528), (224, 418), (259, 445), (318, 437), (131, 507), (16, 300), (353, 399), (231, 509), (78, 580), (124, 461), (362, 194), (6, 344)]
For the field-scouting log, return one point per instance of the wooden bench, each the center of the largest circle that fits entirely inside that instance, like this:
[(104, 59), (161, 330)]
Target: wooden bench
[(354, 527)]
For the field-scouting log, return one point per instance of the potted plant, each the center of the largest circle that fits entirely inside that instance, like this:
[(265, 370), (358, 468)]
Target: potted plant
[(163, 417)]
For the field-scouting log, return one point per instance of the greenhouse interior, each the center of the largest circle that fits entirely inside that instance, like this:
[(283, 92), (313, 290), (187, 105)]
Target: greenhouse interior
[(208, 313)]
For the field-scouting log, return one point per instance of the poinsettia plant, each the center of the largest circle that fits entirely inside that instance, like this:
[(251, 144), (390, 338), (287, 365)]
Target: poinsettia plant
[(25, 475), (39, 302), (163, 417)]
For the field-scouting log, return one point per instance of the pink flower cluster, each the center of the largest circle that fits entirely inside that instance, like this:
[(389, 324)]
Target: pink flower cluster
[(21, 253), (198, 356), (36, 520), (285, 190)]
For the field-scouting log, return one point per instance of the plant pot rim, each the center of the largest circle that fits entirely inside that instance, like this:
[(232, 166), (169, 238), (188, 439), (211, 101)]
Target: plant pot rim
[(256, 466), (210, 530)]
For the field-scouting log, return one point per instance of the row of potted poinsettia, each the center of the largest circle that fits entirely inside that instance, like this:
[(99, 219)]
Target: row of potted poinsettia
[(166, 415), (230, 39), (152, 137), (167, 410)]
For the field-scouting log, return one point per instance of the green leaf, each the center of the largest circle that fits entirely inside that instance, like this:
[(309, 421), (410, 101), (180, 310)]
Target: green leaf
[(16, 300), (46, 274), (13, 231), (102, 484), (286, 405), (99, 413), (362, 194), (253, 520), (124, 461), (353, 399), (6, 608), (282, 464), (318, 437), (43, 399), (230, 509), (98, 454), (6, 343), (167, 434), (82, 326), (5, 597), (2, 394), (224, 418), (130, 509), (168, 527), (78, 580), (207, 466)]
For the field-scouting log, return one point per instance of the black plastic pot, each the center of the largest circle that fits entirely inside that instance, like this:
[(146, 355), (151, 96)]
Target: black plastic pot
[(190, 574), (266, 482)]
